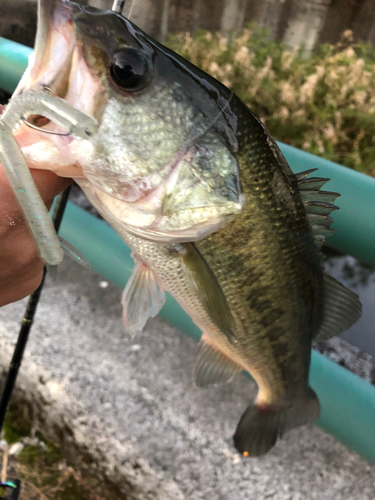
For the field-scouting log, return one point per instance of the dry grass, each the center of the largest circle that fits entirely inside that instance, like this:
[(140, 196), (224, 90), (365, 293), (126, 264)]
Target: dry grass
[(45, 475), (43, 470), (323, 103)]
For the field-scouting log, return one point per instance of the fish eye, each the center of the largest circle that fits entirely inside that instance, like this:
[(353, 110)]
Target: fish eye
[(129, 69)]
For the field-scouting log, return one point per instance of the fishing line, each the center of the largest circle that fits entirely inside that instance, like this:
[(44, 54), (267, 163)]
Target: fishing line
[(131, 9), (118, 6), (23, 336), (213, 121)]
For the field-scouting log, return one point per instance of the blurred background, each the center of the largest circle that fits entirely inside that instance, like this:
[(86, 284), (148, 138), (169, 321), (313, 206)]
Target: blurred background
[(294, 22)]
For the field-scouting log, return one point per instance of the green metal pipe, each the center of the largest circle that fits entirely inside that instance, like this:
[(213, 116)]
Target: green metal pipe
[(13, 62), (347, 401)]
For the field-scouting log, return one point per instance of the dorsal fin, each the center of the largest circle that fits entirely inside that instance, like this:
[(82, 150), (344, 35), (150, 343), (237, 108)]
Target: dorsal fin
[(324, 196), (318, 204), (319, 207), (302, 175), (320, 220), (341, 309), (312, 184)]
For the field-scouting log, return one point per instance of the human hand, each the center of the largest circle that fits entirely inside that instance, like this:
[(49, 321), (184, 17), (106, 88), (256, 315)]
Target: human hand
[(21, 268)]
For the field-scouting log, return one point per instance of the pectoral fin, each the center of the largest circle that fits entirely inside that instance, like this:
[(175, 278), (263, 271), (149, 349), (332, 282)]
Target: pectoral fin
[(142, 299), (209, 291)]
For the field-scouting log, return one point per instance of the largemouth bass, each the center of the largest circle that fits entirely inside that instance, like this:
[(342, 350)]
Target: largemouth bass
[(194, 184)]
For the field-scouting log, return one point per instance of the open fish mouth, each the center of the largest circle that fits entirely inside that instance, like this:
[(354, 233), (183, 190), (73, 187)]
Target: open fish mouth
[(56, 65)]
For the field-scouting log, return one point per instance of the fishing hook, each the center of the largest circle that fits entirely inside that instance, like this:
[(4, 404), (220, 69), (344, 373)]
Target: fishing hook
[(40, 129)]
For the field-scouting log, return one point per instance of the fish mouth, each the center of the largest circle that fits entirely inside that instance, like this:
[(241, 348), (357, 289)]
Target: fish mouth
[(56, 66), (50, 64), (168, 204)]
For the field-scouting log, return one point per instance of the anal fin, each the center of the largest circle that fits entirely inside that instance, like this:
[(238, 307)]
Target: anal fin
[(143, 297), (213, 367)]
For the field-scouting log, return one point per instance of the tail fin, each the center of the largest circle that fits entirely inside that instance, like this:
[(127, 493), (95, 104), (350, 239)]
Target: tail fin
[(261, 426)]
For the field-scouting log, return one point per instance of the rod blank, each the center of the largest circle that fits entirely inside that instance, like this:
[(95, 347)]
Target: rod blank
[(118, 5)]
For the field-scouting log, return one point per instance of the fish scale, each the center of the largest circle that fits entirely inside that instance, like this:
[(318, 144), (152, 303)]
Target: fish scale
[(262, 232)]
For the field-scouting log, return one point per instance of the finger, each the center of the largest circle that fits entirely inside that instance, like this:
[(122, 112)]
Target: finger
[(49, 185), (20, 265)]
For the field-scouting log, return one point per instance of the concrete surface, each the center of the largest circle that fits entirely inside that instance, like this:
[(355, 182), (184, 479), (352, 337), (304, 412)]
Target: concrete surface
[(132, 408)]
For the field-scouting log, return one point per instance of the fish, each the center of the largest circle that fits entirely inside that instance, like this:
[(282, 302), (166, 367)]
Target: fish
[(194, 184)]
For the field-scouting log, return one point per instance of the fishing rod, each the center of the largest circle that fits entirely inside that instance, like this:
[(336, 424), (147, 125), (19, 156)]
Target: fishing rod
[(23, 336), (117, 6)]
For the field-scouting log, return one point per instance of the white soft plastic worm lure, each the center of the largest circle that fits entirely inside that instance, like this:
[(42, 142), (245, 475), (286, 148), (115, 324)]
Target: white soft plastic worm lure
[(78, 124)]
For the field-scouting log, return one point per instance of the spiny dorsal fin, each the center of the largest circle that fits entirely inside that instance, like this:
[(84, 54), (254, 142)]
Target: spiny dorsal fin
[(319, 207), (321, 231), (212, 367), (320, 220), (318, 204), (324, 196), (312, 184), (302, 175), (341, 309)]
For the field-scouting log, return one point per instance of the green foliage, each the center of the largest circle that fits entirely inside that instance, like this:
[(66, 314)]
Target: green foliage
[(42, 468), (17, 424), (323, 103)]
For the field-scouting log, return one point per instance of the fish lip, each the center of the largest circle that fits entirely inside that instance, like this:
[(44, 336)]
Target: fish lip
[(45, 70)]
